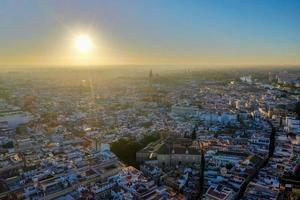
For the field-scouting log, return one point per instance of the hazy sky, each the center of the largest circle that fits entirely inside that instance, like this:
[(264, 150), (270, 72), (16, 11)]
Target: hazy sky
[(151, 31)]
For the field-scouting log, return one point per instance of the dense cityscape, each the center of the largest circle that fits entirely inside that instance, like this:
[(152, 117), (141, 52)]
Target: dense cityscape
[(149, 100), (150, 133)]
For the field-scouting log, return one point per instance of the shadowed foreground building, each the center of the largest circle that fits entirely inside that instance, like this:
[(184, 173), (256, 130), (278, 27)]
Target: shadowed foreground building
[(171, 151)]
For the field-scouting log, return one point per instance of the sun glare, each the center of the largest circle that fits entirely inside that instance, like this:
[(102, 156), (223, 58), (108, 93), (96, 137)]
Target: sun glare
[(83, 43)]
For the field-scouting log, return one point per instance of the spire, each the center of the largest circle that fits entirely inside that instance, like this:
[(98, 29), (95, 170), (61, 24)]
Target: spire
[(150, 76)]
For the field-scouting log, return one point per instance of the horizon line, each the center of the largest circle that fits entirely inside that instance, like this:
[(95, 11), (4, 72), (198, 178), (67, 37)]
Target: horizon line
[(157, 64)]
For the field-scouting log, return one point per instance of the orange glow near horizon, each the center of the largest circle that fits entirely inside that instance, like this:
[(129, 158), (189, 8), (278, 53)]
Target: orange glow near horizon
[(198, 33), (90, 48)]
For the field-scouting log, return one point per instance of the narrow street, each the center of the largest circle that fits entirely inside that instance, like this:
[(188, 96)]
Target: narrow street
[(263, 164)]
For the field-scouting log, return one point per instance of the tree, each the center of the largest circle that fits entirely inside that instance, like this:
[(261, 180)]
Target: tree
[(149, 138), (194, 134), (8, 145), (229, 166), (21, 129), (297, 108), (125, 149)]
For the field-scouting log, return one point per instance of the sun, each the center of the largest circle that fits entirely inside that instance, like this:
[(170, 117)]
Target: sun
[(83, 43)]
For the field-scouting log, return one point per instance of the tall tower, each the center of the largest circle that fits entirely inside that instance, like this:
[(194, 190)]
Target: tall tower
[(150, 77), (97, 143)]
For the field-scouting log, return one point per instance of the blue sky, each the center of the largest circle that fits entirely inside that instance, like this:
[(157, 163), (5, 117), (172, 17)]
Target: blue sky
[(153, 31)]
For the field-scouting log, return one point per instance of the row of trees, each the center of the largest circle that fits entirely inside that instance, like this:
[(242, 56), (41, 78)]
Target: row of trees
[(8, 145)]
